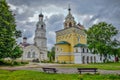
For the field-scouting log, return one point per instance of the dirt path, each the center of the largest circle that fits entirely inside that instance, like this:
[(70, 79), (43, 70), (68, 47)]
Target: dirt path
[(38, 67)]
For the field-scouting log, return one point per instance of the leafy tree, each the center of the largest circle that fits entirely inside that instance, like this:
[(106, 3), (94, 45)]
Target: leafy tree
[(8, 33), (51, 54), (16, 53), (100, 39)]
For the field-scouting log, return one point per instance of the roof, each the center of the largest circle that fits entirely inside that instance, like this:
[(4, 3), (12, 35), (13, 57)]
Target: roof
[(63, 42), (40, 15), (24, 37), (80, 45), (24, 44)]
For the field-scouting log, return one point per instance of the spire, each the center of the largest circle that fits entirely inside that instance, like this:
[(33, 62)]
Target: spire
[(69, 12), (69, 19), (69, 9), (41, 15)]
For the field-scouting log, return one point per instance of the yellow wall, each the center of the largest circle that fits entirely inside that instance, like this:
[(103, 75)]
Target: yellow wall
[(63, 48), (65, 58), (71, 38)]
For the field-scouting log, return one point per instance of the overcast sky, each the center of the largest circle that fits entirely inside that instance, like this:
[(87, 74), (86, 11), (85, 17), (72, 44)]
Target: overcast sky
[(87, 12)]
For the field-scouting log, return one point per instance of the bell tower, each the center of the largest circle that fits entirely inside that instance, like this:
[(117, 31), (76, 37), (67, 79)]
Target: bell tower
[(40, 39), (69, 20)]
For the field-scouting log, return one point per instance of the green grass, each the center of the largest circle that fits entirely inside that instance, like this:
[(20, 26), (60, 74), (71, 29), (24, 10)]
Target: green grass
[(34, 75), (102, 66)]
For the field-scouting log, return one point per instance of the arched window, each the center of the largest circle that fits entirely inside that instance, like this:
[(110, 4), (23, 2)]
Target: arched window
[(42, 26), (91, 59), (87, 50), (83, 59), (33, 55), (94, 59), (28, 55), (78, 39), (87, 59), (76, 50), (83, 50), (70, 24)]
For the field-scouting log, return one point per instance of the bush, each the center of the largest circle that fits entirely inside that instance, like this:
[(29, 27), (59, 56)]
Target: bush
[(16, 63), (24, 62), (9, 63), (5, 63)]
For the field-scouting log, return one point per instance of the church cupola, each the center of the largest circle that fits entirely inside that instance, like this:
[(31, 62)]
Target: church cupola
[(69, 20), (24, 39), (40, 23), (41, 17)]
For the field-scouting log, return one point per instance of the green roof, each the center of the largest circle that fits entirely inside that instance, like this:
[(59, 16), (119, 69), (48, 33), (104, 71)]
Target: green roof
[(80, 45), (63, 42)]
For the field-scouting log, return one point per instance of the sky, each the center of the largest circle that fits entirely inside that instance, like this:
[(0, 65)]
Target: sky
[(86, 12)]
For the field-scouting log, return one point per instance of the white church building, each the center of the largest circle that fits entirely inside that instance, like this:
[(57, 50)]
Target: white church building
[(84, 56), (38, 50)]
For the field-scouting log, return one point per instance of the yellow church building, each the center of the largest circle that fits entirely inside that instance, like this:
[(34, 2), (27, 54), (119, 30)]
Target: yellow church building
[(71, 43), (67, 38)]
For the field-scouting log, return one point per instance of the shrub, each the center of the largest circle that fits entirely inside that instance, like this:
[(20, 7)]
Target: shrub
[(3, 62), (16, 63), (24, 62)]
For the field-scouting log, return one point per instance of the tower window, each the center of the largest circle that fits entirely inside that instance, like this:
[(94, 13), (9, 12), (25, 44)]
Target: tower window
[(42, 26), (78, 39)]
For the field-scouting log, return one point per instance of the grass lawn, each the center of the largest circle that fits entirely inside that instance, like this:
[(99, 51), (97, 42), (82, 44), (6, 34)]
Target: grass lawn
[(34, 75), (102, 66)]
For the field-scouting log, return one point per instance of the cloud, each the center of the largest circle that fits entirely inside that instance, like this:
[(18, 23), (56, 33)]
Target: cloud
[(54, 23), (87, 12), (12, 7), (51, 38)]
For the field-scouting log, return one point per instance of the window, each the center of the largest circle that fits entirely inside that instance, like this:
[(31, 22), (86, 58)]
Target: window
[(61, 49), (56, 49), (76, 50), (78, 39), (28, 55), (83, 50), (87, 50), (70, 24), (33, 55), (42, 26)]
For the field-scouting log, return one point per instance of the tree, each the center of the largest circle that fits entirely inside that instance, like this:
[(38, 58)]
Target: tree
[(100, 39), (16, 53), (51, 54), (8, 32)]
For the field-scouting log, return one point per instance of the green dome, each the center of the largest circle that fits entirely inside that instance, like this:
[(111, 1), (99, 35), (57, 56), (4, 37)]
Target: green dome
[(63, 42), (80, 45)]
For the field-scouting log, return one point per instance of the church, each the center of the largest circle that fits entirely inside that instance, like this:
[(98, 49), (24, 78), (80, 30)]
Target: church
[(71, 44), (38, 50)]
